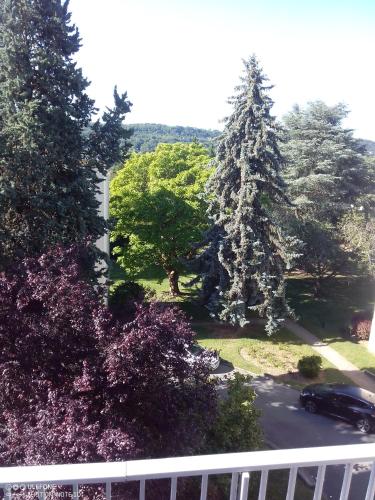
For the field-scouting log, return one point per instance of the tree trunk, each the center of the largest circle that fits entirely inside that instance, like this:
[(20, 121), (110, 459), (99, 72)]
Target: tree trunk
[(173, 283), (317, 287)]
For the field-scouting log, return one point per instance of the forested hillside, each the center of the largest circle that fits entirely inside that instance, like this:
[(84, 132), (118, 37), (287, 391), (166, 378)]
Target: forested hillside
[(147, 136)]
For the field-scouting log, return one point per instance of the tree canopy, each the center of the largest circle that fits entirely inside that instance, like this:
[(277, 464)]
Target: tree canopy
[(327, 169), (358, 232), (328, 173), (49, 168), (158, 208), (244, 254)]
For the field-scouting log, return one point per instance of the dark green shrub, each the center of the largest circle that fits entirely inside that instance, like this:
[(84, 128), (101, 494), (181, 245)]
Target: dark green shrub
[(310, 366), (125, 290), (124, 295)]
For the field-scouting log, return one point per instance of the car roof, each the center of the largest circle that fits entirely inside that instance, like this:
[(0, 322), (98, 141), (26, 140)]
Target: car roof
[(351, 390)]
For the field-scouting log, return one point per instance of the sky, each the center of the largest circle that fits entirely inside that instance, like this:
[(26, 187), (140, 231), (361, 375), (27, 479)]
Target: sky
[(179, 60)]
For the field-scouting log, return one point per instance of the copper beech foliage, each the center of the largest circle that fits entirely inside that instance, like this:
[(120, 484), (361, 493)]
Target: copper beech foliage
[(77, 385)]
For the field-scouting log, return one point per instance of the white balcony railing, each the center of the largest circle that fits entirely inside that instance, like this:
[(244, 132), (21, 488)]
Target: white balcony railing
[(239, 465)]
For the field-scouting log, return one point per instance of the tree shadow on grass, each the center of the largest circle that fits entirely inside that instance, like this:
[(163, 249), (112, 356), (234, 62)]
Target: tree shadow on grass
[(326, 376), (330, 314), (194, 311)]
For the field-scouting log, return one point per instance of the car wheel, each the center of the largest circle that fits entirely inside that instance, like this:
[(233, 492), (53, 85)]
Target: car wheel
[(311, 407), (363, 425)]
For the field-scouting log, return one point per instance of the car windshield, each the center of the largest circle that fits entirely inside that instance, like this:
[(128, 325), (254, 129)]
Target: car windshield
[(367, 396), (323, 389)]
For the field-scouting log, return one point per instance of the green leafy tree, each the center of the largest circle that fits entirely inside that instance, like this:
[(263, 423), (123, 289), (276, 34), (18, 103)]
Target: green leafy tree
[(50, 156), (322, 254), (236, 427), (327, 169), (244, 254), (358, 232), (158, 207)]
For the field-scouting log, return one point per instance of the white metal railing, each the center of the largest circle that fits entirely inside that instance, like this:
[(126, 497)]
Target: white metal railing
[(239, 465)]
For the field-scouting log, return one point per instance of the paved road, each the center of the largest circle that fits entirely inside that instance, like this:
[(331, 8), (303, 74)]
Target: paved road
[(287, 425)]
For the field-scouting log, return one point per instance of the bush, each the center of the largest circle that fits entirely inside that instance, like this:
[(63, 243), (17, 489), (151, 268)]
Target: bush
[(236, 427), (310, 366), (123, 297), (361, 325)]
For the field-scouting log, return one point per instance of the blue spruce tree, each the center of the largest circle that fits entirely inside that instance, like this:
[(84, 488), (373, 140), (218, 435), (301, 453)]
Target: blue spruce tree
[(244, 254)]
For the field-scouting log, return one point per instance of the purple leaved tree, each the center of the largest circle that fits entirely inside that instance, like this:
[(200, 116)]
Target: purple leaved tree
[(77, 385)]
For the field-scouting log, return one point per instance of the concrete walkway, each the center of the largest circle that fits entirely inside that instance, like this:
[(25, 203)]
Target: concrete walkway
[(350, 370)]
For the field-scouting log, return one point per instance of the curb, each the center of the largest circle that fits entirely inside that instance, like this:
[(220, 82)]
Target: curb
[(369, 373)]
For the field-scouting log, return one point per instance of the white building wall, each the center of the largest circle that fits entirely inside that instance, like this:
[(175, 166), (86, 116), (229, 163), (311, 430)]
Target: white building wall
[(103, 242), (103, 198)]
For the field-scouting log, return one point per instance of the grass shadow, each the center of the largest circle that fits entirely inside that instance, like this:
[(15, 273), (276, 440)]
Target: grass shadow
[(328, 375)]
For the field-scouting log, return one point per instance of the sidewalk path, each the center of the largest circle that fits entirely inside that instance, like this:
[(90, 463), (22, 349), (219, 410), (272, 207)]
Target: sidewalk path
[(350, 370)]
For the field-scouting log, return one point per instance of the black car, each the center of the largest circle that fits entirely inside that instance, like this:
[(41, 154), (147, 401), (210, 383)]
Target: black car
[(353, 404)]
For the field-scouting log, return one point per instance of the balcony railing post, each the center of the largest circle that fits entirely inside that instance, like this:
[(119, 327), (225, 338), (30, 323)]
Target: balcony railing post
[(319, 482), (244, 490), (346, 482), (108, 490), (234, 486), (142, 490), (204, 485), (173, 488), (263, 485), (41, 494), (370, 494), (291, 483)]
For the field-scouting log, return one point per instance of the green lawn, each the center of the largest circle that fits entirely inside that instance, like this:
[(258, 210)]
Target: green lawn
[(329, 316), (250, 349), (156, 279)]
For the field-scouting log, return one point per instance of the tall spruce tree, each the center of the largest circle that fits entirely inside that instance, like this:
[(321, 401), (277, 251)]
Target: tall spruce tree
[(50, 156), (245, 254)]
